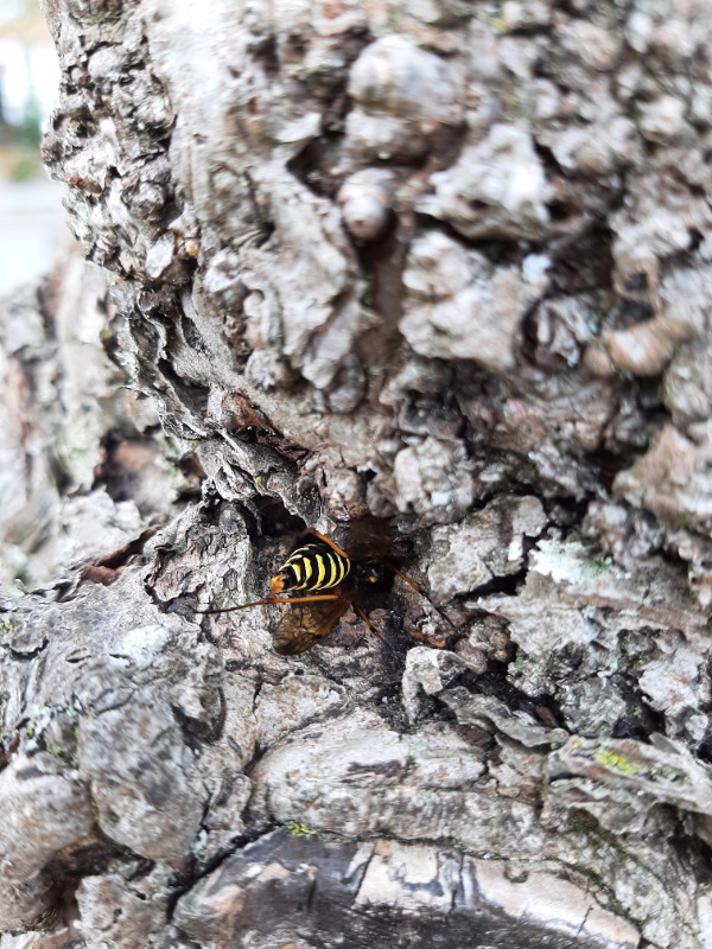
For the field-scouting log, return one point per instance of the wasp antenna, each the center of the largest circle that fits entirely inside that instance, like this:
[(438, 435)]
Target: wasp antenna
[(275, 601), (241, 606)]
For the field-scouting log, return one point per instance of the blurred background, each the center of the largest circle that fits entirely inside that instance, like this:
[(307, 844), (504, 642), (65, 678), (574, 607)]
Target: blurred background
[(32, 225)]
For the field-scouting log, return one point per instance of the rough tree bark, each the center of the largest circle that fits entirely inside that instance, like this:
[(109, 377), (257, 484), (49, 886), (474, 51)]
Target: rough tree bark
[(439, 263)]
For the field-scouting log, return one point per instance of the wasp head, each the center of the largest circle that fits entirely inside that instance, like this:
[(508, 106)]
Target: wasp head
[(370, 574)]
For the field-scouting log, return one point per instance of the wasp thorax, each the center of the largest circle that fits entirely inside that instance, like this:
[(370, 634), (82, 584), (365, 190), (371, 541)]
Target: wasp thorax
[(369, 573)]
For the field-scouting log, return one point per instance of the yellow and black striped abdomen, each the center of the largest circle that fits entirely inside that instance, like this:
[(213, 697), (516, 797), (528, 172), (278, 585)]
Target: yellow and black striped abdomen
[(311, 568)]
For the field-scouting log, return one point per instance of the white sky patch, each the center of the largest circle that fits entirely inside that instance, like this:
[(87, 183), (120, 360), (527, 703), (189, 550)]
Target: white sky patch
[(29, 78)]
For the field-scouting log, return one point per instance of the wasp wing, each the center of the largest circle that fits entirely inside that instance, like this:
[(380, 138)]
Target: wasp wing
[(304, 623)]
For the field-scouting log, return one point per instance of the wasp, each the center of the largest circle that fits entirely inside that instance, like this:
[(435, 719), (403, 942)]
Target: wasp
[(317, 583)]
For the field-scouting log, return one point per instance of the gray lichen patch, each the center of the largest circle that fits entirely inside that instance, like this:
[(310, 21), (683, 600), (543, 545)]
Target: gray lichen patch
[(488, 544)]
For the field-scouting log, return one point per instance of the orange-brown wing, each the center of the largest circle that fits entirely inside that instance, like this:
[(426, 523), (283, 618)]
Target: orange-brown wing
[(304, 623), (310, 532)]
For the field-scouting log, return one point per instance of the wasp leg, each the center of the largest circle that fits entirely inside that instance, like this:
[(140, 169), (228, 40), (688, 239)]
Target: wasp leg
[(276, 600), (364, 619), (410, 581), (434, 641), (418, 588)]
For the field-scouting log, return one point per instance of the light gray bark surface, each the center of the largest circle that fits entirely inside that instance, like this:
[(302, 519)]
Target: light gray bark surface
[(441, 264)]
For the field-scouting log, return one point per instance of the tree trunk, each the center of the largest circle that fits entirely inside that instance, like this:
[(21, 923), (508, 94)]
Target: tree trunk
[(433, 273)]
